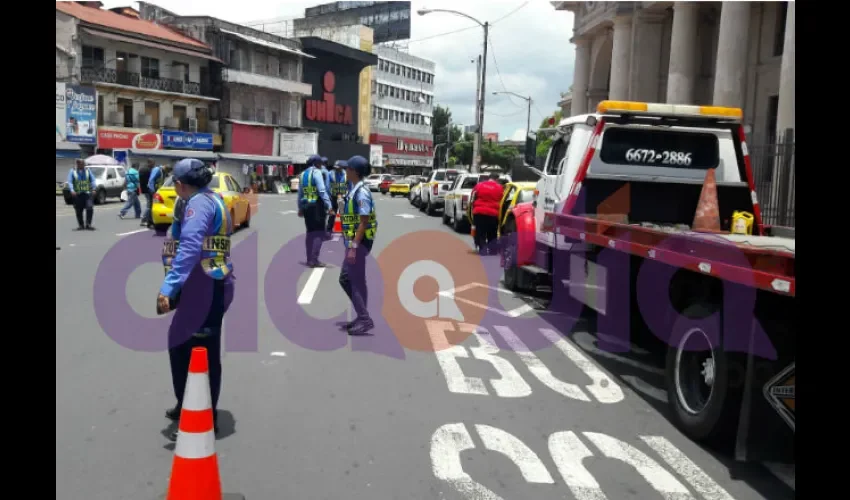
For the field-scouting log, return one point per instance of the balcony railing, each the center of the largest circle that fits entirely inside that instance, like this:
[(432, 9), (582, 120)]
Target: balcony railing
[(130, 79)]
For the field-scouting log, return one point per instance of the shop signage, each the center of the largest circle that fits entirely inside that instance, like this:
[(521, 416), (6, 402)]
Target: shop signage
[(376, 155), (412, 147), (128, 139), (327, 110), (403, 145), (177, 139), (80, 114), (409, 162)]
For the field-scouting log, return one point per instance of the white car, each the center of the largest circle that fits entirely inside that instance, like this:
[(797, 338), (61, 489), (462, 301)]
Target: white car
[(373, 181), (433, 193), (110, 181), (457, 199)]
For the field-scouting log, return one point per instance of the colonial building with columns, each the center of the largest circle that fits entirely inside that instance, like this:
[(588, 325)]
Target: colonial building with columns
[(738, 54)]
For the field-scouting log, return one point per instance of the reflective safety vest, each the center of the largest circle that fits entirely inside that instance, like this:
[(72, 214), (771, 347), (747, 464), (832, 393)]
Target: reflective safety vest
[(169, 246), (82, 184), (215, 252), (308, 186), (338, 184), (351, 218)]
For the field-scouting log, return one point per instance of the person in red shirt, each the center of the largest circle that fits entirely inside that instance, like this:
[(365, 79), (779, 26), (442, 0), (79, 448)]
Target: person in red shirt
[(486, 197)]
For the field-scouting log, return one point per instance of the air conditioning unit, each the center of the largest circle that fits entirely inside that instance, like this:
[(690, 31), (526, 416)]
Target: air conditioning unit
[(193, 124), (143, 120)]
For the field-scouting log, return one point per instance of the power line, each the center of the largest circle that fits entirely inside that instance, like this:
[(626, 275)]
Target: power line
[(510, 13), (442, 34), (499, 73)]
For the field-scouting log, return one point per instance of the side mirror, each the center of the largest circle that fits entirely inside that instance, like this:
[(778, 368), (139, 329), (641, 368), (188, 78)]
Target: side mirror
[(530, 149)]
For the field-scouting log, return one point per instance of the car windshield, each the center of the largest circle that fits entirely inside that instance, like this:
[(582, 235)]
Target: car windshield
[(373, 177), (214, 184), (470, 182), (525, 196), (97, 171)]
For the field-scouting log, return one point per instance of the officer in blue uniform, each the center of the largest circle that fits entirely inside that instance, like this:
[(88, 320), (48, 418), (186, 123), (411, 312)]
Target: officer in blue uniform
[(199, 278), (338, 189), (359, 226), (313, 205), (82, 184)]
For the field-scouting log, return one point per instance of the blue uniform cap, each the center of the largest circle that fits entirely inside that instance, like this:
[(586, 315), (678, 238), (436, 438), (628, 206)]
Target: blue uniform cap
[(313, 160), (325, 160), (188, 171), (341, 164), (358, 164)]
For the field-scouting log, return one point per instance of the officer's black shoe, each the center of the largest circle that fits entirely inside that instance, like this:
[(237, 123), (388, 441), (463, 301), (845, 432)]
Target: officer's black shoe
[(80, 228), (317, 264), (90, 228), (361, 326), (173, 413)]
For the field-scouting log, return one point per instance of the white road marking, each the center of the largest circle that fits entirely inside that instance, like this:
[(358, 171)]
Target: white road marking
[(447, 443), (528, 463), (287, 212), (586, 342), (279, 354), (568, 453), (447, 356), (604, 389), (510, 384), (311, 286), (406, 216), (662, 481), (131, 232), (538, 369), (683, 466), (645, 388)]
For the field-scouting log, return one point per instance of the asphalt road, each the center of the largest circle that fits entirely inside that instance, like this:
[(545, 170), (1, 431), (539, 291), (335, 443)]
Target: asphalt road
[(308, 413)]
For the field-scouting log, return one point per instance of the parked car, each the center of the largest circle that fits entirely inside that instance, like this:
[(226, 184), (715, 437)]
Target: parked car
[(438, 183), (162, 210), (416, 191), (403, 186), (457, 200), (386, 182), (515, 194), (373, 182), (109, 180)]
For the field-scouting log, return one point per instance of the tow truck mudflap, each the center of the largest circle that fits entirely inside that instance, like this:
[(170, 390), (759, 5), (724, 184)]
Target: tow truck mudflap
[(766, 421)]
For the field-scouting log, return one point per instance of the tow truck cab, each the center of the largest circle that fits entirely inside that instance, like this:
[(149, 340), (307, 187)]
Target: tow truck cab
[(639, 164)]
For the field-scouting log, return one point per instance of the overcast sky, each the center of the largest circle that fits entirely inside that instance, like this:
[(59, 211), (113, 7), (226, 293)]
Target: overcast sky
[(530, 47)]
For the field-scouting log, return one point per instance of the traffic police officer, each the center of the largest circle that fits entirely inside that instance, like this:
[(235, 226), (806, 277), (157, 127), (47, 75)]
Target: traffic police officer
[(313, 205), (81, 183), (359, 226), (199, 277), (338, 190)]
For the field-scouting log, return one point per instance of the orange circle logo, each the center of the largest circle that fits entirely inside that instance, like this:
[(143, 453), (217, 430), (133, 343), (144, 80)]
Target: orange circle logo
[(421, 272)]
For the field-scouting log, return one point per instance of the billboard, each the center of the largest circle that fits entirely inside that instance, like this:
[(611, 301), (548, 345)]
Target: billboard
[(80, 114), (128, 138)]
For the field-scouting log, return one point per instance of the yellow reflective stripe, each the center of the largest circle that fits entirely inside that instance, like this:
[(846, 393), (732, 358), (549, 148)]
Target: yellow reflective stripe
[(225, 215)]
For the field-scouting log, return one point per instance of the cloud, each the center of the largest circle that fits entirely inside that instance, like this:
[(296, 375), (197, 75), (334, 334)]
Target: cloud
[(529, 52)]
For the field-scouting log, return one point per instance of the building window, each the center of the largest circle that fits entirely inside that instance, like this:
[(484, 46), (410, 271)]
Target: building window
[(261, 115), (179, 114), (779, 39), (100, 109), (152, 111), (201, 116), (125, 113), (92, 57), (772, 116), (150, 67), (122, 59)]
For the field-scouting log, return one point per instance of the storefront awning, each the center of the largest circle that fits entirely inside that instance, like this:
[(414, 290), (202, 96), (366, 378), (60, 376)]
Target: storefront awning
[(175, 153), (255, 158)]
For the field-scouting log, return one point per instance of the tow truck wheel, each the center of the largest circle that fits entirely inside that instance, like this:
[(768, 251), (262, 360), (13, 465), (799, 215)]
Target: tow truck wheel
[(702, 402), (509, 254)]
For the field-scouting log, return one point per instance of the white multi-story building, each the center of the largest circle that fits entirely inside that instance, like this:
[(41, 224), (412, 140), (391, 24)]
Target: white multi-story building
[(738, 54), (402, 109)]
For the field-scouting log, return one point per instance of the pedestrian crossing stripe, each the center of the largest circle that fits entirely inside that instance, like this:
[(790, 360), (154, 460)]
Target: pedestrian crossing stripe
[(780, 393)]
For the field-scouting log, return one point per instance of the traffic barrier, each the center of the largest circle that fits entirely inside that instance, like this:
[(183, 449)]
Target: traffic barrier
[(338, 224), (707, 217), (194, 471)]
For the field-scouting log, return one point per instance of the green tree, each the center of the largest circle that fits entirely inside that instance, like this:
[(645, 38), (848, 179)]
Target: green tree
[(452, 161), (440, 127)]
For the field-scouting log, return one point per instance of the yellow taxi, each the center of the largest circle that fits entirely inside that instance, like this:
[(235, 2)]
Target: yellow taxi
[(402, 187), (515, 193), (162, 210)]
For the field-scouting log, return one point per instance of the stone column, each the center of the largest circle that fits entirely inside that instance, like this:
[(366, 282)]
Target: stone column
[(620, 67), (646, 68), (682, 72), (732, 49), (581, 77), (785, 114)]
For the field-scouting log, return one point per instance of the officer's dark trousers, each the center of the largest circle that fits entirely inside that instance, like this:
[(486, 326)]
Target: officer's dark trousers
[(84, 201), (197, 323), (332, 215), (485, 232), (352, 279), (315, 221)]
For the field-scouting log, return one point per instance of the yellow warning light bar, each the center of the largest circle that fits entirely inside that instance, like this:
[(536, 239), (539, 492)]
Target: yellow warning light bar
[(651, 108)]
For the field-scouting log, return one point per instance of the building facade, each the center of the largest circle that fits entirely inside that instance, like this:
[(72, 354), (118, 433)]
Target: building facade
[(402, 109), (389, 20), (152, 84), (738, 54)]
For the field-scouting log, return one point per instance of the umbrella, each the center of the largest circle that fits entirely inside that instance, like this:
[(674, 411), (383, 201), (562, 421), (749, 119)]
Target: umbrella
[(100, 160)]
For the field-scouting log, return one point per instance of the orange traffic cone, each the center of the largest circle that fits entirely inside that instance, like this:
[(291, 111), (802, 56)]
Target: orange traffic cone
[(194, 471), (707, 217), (338, 224)]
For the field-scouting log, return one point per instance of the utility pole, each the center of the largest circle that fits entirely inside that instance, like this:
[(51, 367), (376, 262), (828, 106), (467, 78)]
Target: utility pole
[(528, 120), (483, 93), (476, 142), (448, 138)]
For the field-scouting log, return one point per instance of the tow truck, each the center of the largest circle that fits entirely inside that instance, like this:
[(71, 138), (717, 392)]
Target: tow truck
[(616, 228)]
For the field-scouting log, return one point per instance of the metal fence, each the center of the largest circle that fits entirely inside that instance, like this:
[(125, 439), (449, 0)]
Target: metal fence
[(773, 170)]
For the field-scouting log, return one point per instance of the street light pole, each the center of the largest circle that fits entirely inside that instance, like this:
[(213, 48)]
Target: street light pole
[(524, 98), (476, 147)]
